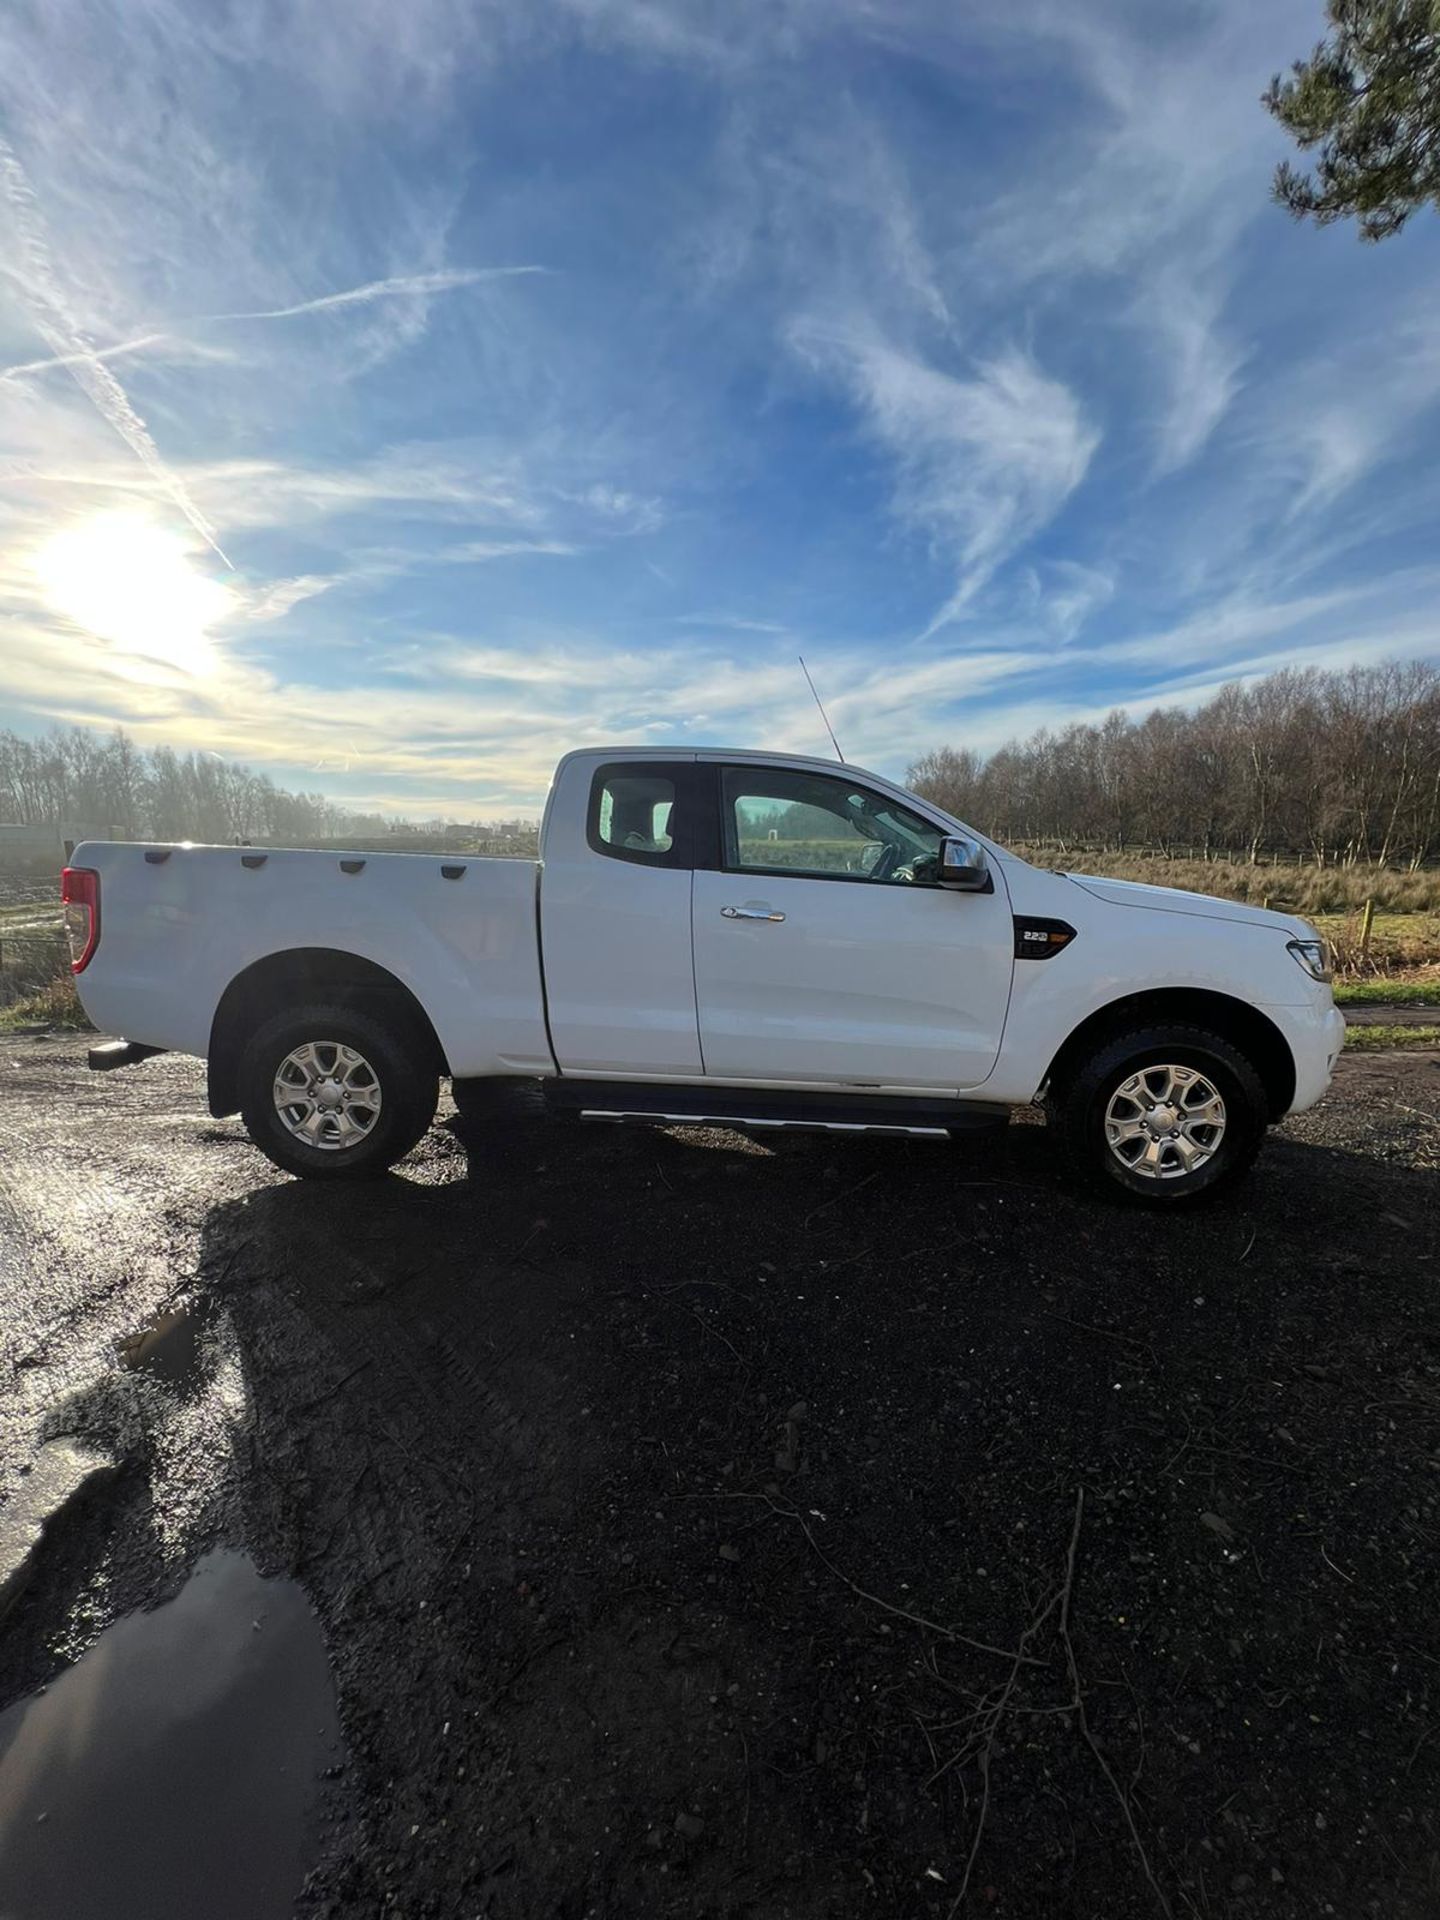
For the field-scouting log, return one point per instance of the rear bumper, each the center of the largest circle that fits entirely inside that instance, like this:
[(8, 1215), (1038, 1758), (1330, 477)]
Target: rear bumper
[(119, 1053)]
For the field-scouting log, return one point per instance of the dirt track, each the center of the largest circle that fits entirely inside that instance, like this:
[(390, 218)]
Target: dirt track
[(621, 1468)]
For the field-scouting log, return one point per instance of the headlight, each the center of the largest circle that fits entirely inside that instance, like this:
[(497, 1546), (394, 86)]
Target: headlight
[(1312, 956)]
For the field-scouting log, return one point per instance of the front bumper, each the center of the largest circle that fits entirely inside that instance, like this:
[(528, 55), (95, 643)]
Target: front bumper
[(1316, 1034)]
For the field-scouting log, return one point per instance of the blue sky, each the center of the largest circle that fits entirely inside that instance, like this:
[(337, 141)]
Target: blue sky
[(394, 397)]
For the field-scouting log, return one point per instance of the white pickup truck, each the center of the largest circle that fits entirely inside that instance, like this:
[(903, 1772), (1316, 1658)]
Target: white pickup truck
[(744, 939)]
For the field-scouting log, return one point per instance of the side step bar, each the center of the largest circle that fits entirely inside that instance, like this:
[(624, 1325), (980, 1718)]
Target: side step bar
[(765, 1109), (746, 1122), (119, 1053)]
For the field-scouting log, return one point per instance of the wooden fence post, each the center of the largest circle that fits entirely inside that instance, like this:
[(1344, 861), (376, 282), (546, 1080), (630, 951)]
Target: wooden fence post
[(1367, 922)]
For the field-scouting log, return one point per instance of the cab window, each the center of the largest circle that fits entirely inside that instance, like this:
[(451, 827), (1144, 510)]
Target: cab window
[(636, 814), (824, 828)]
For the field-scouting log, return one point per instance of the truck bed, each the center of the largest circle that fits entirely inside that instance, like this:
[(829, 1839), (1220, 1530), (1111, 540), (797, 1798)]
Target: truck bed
[(179, 924)]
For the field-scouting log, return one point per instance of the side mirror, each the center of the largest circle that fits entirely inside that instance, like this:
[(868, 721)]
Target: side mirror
[(963, 866)]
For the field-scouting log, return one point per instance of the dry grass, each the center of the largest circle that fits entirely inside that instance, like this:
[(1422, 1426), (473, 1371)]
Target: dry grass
[(1405, 936), (1289, 888), (1399, 943), (56, 1004)]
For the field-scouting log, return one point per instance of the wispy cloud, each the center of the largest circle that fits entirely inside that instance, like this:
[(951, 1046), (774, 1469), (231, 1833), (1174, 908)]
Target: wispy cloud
[(1064, 595), (983, 460), (35, 272), (1349, 411), (1203, 363)]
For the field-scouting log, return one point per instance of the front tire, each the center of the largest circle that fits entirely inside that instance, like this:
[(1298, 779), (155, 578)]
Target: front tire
[(335, 1092), (1166, 1116)]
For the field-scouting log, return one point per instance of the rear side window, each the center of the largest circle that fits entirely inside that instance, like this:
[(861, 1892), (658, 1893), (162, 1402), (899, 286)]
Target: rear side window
[(637, 813)]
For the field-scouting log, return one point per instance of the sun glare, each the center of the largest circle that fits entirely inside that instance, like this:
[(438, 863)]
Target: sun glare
[(132, 583)]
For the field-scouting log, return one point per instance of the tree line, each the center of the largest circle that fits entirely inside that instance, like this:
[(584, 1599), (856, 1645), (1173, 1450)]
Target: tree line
[(72, 777), (1336, 767)]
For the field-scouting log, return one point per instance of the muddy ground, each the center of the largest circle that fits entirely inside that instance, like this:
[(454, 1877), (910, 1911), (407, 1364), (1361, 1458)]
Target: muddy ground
[(707, 1526)]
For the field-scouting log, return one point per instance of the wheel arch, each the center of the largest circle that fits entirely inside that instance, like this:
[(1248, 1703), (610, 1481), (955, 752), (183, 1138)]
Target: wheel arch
[(1244, 1026), (296, 975)]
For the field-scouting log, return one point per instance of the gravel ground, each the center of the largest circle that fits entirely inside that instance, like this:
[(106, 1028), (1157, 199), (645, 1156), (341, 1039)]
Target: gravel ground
[(705, 1526)]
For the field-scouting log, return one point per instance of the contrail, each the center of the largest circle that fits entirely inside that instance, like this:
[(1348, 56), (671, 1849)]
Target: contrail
[(116, 352), (443, 282), (63, 334)]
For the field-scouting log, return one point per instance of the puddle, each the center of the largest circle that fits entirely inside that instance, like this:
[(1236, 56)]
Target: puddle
[(173, 1770), (169, 1349)]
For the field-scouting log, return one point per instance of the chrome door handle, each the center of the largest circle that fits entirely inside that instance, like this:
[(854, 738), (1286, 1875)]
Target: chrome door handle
[(750, 913)]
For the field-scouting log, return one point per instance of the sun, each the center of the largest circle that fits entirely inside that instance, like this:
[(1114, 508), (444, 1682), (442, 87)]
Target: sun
[(136, 585)]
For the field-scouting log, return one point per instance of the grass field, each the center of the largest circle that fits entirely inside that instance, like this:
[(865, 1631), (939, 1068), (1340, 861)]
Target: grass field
[(1375, 1038), (1288, 886), (1388, 991), (29, 918)]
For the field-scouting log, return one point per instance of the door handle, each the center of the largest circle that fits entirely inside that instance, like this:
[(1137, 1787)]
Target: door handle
[(750, 913)]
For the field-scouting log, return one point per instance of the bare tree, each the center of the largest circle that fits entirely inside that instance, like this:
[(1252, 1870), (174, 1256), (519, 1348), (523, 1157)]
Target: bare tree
[(1337, 767)]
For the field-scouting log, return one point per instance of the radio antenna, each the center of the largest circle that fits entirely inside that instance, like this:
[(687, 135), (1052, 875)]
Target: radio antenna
[(823, 715)]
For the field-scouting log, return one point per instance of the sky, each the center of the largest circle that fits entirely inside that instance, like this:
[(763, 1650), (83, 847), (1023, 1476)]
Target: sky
[(395, 397)]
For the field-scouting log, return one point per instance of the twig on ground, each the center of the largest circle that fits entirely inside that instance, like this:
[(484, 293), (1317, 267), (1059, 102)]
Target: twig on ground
[(716, 1334), (1080, 1326), (194, 1285), (309, 1406), (847, 1260), (901, 1613), (925, 1732), (1184, 1444), (357, 1587), (1348, 1578), (862, 1593), (991, 1716), (1139, 1727), (848, 1194), (1255, 1459), (1082, 1718), (519, 1253)]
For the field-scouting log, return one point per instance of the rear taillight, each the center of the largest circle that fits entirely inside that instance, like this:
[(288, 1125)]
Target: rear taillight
[(80, 894)]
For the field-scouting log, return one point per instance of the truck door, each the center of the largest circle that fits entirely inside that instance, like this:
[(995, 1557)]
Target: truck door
[(824, 950), (615, 920)]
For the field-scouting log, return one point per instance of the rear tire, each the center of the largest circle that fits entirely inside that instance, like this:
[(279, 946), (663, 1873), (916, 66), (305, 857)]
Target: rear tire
[(1166, 1116), (335, 1092)]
